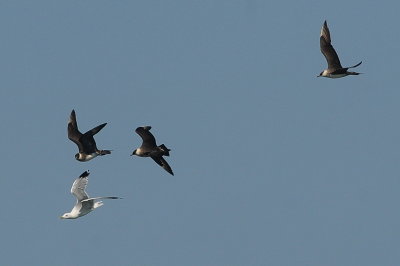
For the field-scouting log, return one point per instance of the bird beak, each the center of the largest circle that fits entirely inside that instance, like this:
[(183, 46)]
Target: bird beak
[(61, 217)]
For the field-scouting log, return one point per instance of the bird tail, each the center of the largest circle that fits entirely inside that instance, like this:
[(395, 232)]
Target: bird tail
[(104, 152), (164, 149), (353, 73), (354, 67), (98, 204)]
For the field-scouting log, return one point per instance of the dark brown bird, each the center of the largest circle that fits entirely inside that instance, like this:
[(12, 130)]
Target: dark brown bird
[(149, 148), (85, 142), (335, 69)]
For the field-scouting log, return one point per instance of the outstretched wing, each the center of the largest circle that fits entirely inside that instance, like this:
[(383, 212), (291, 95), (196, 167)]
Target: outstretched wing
[(73, 133), (97, 198), (96, 130), (147, 137), (327, 49), (79, 186), (163, 163), (87, 142)]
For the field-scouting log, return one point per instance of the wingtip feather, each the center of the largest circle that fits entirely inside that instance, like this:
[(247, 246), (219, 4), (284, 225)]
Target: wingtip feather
[(84, 174)]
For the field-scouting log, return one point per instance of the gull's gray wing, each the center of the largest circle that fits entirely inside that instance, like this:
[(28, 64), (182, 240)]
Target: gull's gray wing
[(97, 198), (79, 186), (327, 49), (73, 133), (163, 163), (148, 138)]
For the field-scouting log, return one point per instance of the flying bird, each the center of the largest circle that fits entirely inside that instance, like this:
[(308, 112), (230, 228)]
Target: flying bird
[(149, 148), (335, 69), (84, 204), (86, 143)]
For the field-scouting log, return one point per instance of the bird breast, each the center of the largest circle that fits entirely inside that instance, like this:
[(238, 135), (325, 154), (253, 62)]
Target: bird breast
[(86, 157), (139, 152), (335, 76)]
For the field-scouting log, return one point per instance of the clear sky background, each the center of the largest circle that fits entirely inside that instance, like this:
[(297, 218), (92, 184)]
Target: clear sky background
[(273, 166)]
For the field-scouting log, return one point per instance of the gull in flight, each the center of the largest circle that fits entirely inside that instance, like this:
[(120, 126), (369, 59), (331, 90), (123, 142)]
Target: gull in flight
[(84, 204)]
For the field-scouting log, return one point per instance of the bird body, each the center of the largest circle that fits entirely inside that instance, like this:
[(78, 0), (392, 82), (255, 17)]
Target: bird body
[(326, 73), (85, 142), (161, 150), (84, 204), (149, 148)]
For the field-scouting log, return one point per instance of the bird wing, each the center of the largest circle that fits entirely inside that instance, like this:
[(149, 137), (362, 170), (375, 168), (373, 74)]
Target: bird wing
[(163, 163), (147, 137), (327, 49), (79, 186), (88, 144), (96, 130), (97, 198), (73, 133)]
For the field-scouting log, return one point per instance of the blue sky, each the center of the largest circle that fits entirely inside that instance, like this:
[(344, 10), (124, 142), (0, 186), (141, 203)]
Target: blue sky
[(273, 166)]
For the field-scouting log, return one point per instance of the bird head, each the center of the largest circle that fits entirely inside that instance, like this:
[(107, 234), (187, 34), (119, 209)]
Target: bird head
[(64, 216)]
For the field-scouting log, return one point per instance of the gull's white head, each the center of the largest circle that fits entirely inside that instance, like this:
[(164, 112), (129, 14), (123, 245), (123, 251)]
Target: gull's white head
[(67, 216)]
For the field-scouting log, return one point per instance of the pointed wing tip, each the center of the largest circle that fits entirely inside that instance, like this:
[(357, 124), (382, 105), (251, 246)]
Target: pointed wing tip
[(325, 35), (324, 28), (72, 117), (168, 169), (325, 25), (166, 166), (84, 174)]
